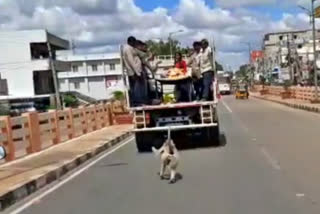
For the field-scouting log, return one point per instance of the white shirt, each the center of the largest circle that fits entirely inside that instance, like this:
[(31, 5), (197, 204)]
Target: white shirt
[(194, 62), (206, 60), (131, 61)]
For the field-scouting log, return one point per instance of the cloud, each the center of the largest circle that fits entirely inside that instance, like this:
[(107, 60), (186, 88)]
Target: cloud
[(239, 3), (101, 25), (197, 15), (248, 3), (84, 7)]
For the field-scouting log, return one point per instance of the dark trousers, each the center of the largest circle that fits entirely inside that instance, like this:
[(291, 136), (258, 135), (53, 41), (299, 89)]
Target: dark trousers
[(207, 84), (132, 82), (198, 86), (138, 90), (184, 92)]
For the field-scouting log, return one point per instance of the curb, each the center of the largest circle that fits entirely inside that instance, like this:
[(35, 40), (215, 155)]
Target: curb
[(20, 192), (292, 105)]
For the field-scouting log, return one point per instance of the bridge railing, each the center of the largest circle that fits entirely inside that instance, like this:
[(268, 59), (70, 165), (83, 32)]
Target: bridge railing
[(297, 92), (33, 132)]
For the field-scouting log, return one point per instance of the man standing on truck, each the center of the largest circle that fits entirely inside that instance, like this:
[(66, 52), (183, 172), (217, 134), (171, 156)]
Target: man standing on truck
[(206, 68), (133, 65), (145, 93), (194, 62)]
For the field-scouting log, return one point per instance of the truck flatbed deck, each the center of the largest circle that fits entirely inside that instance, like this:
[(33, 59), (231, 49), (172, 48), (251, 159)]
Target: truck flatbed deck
[(174, 105), (176, 128)]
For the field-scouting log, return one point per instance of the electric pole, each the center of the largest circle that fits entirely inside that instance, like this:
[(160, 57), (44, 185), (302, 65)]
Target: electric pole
[(55, 77), (315, 54), (289, 58), (73, 46)]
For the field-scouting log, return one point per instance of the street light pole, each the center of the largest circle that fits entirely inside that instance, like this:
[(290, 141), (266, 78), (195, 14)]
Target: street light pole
[(250, 61), (170, 40), (314, 51), (170, 43)]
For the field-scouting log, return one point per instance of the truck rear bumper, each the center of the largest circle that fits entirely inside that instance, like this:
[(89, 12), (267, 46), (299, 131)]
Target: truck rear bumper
[(176, 128)]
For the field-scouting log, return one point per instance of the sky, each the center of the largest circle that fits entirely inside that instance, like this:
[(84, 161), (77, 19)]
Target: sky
[(99, 26)]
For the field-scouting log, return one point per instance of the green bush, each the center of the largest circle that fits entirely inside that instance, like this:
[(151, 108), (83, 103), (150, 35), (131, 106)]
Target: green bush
[(4, 110), (70, 101), (286, 85), (118, 95)]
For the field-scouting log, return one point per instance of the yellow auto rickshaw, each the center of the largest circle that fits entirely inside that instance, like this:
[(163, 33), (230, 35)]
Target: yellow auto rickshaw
[(242, 92)]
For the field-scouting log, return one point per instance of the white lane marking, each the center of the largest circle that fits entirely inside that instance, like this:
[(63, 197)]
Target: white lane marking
[(274, 163), (300, 195), (52, 189), (227, 107)]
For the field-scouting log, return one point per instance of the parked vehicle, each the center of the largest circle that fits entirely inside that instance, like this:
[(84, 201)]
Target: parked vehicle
[(224, 81)]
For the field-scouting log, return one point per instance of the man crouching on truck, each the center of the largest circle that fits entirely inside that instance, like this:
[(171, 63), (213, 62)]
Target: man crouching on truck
[(206, 68)]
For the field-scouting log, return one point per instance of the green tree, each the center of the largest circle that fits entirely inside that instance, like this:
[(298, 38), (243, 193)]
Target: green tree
[(4, 110), (163, 47), (243, 72), (219, 67), (118, 95), (70, 100)]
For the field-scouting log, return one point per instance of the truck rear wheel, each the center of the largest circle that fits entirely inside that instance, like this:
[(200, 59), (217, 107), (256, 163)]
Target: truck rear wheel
[(146, 140), (141, 142), (212, 136)]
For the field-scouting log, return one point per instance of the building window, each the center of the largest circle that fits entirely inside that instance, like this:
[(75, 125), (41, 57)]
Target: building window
[(111, 81), (112, 67), (43, 82), (94, 67), (39, 51), (75, 68), (76, 85)]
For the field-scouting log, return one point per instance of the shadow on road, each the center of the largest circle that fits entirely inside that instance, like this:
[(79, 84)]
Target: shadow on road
[(201, 144), (188, 141), (179, 177), (112, 165)]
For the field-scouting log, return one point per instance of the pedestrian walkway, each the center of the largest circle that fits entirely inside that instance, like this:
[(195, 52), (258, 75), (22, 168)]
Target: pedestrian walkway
[(24, 176), (293, 103)]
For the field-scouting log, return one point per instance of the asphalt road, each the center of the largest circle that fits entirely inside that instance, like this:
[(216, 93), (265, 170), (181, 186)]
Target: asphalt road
[(268, 165)]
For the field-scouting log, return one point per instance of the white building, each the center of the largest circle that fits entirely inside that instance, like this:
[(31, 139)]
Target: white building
[(94, 75), (276, 50), (25, 64)]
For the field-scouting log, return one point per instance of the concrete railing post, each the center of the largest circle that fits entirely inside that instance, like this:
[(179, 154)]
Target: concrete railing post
[(9, 144), (85, 121), (96, 125), (105, 114), (110, 114), (70, 115), (34, 129), (57, 139)]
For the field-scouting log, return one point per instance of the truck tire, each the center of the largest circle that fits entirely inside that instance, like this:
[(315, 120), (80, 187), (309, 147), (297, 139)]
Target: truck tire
[(141, 142), (146, 140), (212, 136)]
